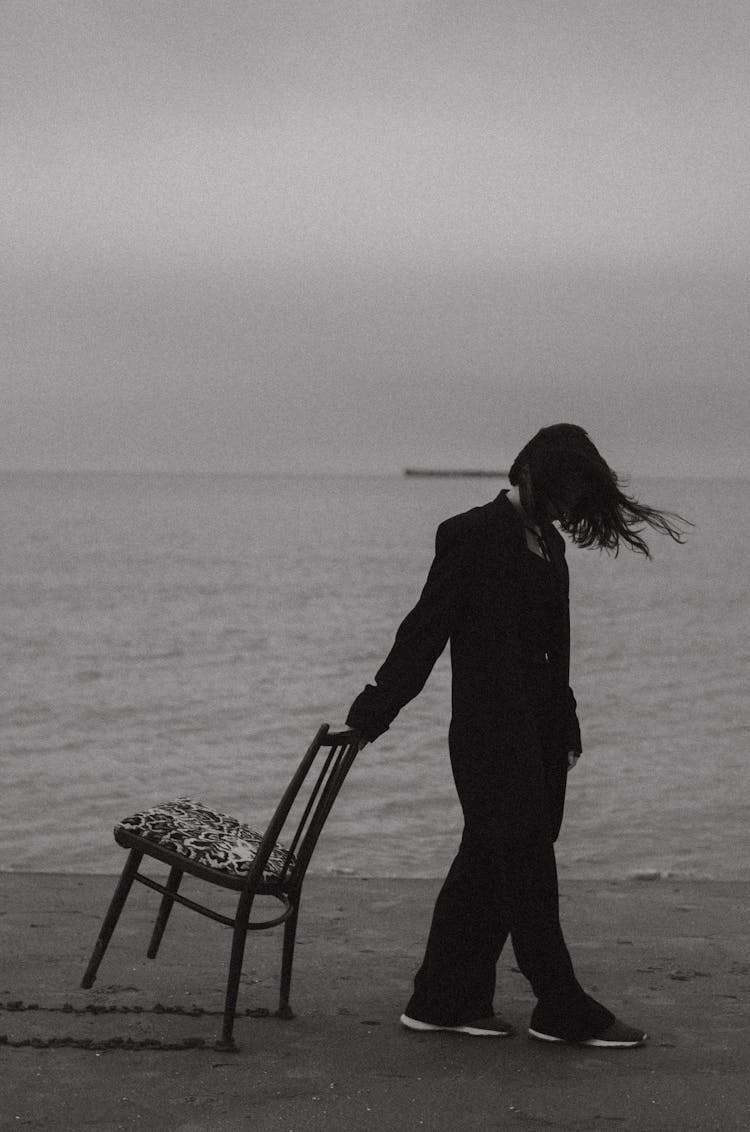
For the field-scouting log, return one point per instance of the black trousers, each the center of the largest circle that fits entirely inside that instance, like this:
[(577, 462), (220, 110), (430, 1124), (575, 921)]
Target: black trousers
[(498, 887)]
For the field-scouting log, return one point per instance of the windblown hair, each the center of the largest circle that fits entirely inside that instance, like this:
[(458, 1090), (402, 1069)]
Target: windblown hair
[(570, 480)]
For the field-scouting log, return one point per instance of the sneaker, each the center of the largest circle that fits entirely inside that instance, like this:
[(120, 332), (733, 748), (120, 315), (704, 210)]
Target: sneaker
[(492, 1027), (616, 1036)]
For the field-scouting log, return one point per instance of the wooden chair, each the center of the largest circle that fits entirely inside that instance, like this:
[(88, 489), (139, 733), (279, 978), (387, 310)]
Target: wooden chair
[(218, 849)]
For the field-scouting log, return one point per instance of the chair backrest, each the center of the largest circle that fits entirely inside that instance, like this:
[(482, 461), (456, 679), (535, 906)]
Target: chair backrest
[(313, 790)]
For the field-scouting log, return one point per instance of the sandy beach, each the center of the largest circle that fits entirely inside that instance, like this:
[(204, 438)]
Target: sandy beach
[(669, 955)]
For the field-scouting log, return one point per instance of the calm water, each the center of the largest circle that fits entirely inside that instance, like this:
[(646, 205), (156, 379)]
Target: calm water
[(166, 635)]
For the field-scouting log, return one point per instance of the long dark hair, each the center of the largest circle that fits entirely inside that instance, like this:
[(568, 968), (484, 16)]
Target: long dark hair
[(562, 475)]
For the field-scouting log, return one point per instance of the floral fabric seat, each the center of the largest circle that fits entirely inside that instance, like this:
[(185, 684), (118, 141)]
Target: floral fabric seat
[(206, 837)]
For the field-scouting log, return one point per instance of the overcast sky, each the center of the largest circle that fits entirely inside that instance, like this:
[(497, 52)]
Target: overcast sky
[(354, 235)]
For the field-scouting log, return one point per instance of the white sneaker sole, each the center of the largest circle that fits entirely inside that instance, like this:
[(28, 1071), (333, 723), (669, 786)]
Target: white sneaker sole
[(474, 1031), (597, 1042)]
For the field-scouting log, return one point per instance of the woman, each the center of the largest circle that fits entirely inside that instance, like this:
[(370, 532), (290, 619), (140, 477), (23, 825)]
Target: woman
[(498, 591)]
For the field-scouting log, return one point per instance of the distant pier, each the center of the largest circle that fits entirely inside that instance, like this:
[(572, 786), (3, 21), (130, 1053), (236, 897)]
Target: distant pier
[(455, 473)]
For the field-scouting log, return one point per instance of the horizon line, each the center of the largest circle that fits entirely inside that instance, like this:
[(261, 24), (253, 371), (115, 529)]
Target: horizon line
[(394, 473)]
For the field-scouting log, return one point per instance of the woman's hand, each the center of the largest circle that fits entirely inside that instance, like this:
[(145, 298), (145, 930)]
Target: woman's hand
[(573, 757)]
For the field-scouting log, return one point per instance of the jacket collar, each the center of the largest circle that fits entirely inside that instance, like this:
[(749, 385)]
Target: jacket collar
[(506, 513)]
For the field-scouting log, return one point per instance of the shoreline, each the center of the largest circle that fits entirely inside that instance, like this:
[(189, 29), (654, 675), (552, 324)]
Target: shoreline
[(645, 876), (671, 956)]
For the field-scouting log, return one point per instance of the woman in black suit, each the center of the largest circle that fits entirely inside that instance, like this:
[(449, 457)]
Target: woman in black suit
[(498, 591)]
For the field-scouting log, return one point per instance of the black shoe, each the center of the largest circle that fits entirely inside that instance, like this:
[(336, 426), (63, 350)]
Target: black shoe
[(616, 1036), (492, 1027)]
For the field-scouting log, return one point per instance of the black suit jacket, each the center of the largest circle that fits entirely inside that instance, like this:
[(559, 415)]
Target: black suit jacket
[(475, 597)]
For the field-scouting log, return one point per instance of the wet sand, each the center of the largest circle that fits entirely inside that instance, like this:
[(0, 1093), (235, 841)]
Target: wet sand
[(672, 956)]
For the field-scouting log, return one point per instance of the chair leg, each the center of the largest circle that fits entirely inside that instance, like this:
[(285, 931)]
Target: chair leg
[(239, 938), (287, 958), (113, 914), (167, 903)]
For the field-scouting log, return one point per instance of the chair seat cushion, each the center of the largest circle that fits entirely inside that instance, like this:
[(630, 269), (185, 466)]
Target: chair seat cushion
[(206, 836)]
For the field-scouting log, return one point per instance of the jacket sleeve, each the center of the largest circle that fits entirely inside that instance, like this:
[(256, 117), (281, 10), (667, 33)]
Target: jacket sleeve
[(571, 731), (420, 638), (572, 726)]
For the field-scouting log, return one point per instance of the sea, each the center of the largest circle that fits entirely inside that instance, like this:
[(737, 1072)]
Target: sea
[(169, 635)]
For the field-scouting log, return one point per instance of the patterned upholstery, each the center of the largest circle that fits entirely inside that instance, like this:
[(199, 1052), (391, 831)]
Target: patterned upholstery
[(205, 836)]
